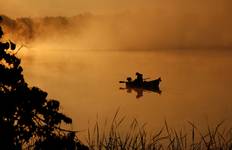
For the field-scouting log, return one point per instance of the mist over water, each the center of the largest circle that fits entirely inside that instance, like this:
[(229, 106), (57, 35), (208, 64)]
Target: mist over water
[(195, 85), (78, 58), (173, 27)]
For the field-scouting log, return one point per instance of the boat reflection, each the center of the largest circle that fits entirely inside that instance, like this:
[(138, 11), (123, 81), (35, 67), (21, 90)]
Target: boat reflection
[(140, 85), (140, 91)]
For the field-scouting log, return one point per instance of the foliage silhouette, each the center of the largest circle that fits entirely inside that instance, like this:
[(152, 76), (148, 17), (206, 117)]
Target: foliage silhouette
[(28, 119)]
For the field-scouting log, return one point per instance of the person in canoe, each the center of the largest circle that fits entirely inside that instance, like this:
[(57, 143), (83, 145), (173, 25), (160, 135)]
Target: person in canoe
[(139, 80)]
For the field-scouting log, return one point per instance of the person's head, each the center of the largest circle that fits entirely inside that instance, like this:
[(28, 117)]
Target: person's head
[(139, 74), (129, 79)]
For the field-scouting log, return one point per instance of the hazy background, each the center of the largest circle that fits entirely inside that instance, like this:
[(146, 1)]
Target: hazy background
[(189, 43), (121, 24), (72, 7)]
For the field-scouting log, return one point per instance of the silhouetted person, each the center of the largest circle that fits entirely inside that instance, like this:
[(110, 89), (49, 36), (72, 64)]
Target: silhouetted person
[(129, 79), (139, 85), (139, 79)]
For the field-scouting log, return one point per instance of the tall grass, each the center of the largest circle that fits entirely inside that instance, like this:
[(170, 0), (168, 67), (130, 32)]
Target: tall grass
[(119, 135)]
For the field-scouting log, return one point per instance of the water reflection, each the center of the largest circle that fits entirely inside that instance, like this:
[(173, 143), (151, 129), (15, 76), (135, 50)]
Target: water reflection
[(86, 83), (140, 91), (139, 85)]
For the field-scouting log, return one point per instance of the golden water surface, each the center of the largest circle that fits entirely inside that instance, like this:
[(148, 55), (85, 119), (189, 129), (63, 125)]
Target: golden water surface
[(196, 84)]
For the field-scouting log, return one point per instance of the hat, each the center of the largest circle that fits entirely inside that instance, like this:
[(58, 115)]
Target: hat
[(138, 74)]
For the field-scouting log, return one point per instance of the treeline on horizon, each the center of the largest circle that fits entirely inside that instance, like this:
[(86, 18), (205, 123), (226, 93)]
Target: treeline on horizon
[(126, 30), (27, 29)]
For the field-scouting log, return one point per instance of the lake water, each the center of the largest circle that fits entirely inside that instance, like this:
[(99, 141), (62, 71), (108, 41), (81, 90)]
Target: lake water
[(196, 84)]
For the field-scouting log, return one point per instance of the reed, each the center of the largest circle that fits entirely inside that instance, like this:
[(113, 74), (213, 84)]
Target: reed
[(119, 135)]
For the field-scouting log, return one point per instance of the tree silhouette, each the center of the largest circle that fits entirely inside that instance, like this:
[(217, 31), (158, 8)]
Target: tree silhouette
[(28, 119)]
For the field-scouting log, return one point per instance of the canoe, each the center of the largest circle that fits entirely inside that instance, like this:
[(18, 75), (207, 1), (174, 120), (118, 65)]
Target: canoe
[(153, 84)]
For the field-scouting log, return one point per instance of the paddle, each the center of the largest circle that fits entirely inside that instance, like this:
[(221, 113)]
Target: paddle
[(146, 78), (126, 81)]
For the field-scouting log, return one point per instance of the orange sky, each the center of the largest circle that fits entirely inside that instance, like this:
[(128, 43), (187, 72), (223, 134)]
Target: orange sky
[(65, 7), (16, 8), (137, 23)]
